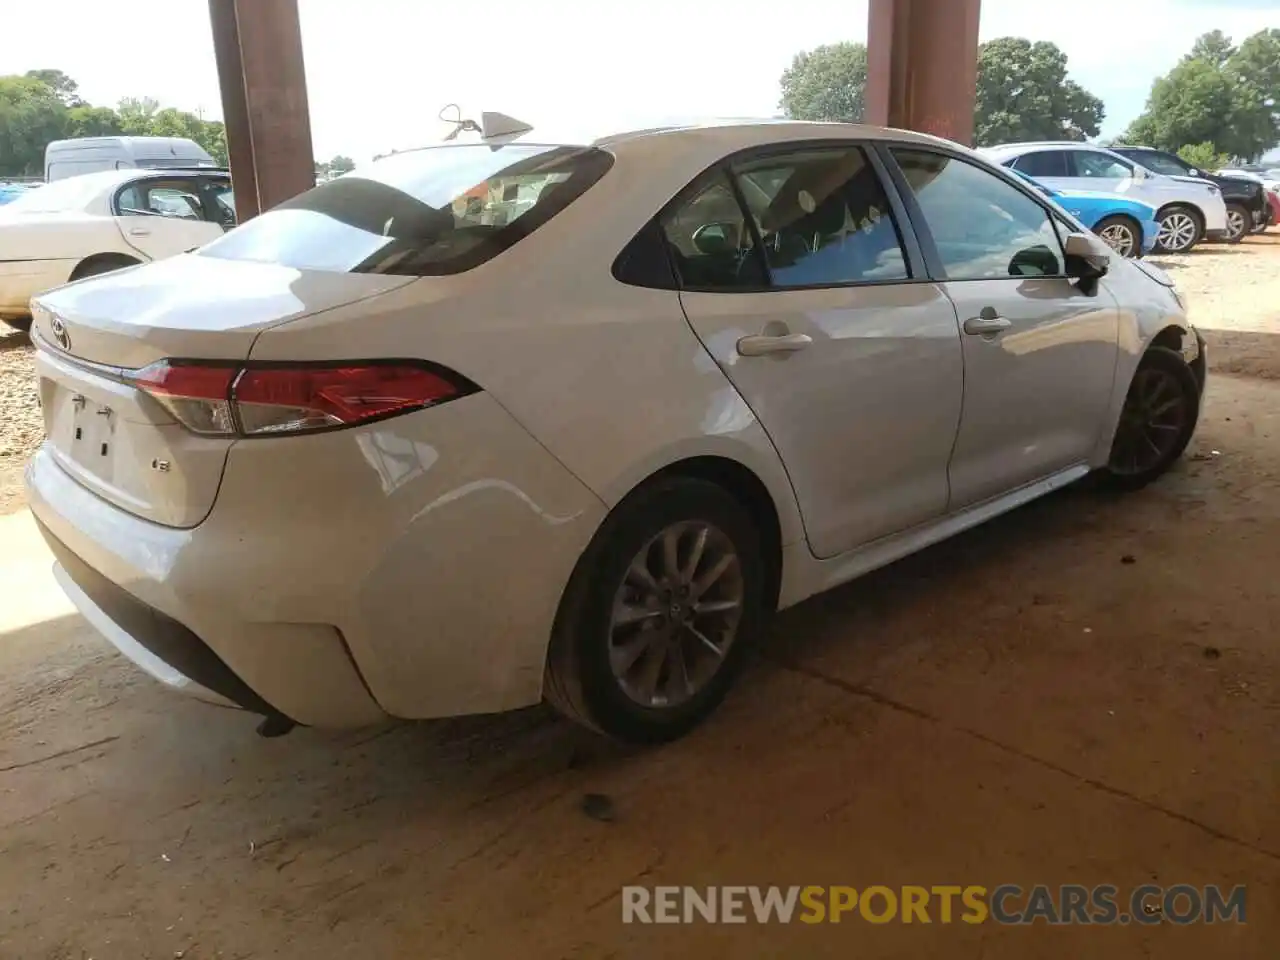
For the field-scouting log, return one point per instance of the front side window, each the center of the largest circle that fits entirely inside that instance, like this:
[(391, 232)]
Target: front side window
[(430, 212), (1045, 163), (1100, 166), (1160, 163), (823, 218), (983, 227)]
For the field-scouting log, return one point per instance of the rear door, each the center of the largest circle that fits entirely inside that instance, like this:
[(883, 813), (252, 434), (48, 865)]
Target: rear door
[(1040, 354), (814, 303), (161, 217)]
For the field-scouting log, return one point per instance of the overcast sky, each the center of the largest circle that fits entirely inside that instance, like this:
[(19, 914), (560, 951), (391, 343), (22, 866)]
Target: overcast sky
[(380, 70)]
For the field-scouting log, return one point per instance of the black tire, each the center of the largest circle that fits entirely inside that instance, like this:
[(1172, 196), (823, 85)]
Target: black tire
[(1121, 472), (1197, 220), (1243, 223), (579, 681), (96, 266), (1121, 224), (18, 323)]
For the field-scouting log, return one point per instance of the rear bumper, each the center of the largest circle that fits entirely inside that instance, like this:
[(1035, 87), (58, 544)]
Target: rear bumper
[(412, 568), (20, 280)]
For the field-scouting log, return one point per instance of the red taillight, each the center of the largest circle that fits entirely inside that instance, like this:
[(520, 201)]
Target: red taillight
[(258, 399)]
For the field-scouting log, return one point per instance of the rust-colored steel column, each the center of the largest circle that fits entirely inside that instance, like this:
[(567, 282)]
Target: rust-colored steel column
[(258, 45), (922, 66)]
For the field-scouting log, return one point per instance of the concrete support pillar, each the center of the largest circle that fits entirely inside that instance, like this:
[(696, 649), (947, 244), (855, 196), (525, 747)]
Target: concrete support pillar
[(922, 69), (258, 46)]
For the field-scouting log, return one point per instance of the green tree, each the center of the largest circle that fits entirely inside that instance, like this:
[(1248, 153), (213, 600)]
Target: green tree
[(1217, 94), (136, 115), (826, 83), (30, 116), (1024, 94), (66, 89), (87, 121), (340, 165), (1204, 157)]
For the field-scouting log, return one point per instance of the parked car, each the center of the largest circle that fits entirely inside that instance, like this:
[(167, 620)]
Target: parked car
[(81, 155), (1270, 180), (1247, 206), (372, 454), (11, 191), (100, 222), (1189, 210), (1129, 227)]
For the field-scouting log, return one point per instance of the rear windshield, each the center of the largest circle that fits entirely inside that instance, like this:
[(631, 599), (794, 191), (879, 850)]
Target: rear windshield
[(425, 212)]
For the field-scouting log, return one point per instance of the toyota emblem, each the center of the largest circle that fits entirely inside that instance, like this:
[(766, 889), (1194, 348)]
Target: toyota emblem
[(60, 333)]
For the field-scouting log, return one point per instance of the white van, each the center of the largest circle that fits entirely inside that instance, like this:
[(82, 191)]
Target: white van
[(70, 158)]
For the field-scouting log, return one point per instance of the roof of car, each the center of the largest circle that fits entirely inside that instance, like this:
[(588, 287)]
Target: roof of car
[(1014, 149), (730, 129)]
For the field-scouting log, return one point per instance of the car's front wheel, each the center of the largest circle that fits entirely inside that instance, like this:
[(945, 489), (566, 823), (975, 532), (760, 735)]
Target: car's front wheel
[(1159, 416), (1123, 235), (1181, 228), (659, 613)]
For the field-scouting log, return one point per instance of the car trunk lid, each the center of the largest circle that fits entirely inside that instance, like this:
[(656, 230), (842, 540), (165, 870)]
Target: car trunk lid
[(94, 337)]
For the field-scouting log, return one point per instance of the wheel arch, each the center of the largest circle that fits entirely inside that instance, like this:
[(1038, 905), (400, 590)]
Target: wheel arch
[(96, 259)]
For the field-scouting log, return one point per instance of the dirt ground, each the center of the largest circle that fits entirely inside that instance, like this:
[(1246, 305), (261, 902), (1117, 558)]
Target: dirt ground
[(1085, 691)]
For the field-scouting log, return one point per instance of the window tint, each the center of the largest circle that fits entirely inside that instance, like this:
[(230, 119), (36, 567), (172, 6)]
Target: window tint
[(1046, 163), (429, 212), (983, 227), (709, 238), (823, 218), (1091, 164), (1160, 163)]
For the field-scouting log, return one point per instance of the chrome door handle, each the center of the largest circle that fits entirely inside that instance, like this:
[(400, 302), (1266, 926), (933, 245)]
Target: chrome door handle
[(139, 232), (986, 325), (759, 346)]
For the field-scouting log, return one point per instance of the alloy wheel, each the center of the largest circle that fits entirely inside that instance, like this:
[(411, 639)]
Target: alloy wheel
[(1120, 238), (676, 614), (1152, 423), (1235, 224), (1177, 232)]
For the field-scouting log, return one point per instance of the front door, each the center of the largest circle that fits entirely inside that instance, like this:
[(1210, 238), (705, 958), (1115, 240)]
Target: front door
[(812, 307), (162, 217), (1039, 353)]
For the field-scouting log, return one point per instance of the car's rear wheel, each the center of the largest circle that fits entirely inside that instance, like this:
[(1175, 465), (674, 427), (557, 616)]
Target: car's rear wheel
[(1123, 235), (1238, 222), (659, 613), (1159, 416), (1181, 228)]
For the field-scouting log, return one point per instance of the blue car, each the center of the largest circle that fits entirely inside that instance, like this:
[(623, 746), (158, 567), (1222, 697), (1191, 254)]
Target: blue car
[(1128, 226), (11, 191)]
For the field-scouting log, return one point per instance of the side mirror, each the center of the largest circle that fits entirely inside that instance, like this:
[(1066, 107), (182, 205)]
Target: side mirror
[(1088, 259), (1140, 173)]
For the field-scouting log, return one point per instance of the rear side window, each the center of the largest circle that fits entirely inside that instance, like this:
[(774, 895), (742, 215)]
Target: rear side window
[(430, 212), (1046, 163)]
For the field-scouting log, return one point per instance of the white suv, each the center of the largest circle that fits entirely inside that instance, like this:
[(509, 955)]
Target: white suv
[(1188, 210)]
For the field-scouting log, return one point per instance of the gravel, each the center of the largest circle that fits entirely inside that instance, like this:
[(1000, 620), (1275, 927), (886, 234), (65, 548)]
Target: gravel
[(21, 424)]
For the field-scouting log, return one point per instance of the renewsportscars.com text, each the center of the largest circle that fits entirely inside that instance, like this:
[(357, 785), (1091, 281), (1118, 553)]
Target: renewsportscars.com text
[(1068, 904)]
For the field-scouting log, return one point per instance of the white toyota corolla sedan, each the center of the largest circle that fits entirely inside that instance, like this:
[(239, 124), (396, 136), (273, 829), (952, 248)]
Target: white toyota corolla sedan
[(487, 423), (98, 222)]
